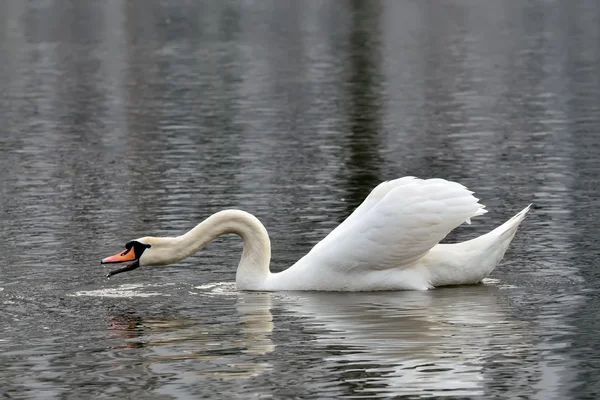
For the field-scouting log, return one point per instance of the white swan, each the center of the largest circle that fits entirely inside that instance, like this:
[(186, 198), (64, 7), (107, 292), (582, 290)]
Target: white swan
[(390, 242)]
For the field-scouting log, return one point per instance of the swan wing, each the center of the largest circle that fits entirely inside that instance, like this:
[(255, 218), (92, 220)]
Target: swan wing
[(398, 223), (372, 199)]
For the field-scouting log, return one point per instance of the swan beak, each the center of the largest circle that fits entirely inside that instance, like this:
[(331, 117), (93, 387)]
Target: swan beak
[(125, 255)]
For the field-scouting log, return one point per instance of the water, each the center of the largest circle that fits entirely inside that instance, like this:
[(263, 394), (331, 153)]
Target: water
[(127, 118)]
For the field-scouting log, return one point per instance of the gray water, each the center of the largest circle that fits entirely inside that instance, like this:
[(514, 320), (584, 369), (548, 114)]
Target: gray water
[(121, 119)]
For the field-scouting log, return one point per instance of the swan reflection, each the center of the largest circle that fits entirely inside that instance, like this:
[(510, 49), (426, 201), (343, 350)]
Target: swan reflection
[(174, 340), (411, 342), (455, 341)]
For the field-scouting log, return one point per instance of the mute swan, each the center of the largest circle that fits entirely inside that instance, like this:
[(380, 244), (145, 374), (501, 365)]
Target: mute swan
[(390, 242)]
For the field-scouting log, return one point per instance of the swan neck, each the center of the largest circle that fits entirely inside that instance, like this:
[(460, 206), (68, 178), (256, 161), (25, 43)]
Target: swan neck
[(253, 268)]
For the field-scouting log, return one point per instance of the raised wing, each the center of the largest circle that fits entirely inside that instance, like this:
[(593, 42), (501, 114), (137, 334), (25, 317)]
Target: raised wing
[(396, 225), (372, 199)]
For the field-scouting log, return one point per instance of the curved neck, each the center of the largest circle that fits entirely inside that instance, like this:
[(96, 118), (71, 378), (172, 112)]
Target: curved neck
[(253, 268)]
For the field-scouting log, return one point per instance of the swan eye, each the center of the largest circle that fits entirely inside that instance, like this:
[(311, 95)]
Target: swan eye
[(136, 246)]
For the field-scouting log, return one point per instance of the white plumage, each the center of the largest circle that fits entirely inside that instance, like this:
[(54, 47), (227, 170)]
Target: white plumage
[(390, 242)]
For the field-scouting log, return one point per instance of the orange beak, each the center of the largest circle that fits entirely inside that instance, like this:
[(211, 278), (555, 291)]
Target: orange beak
[(125, 255)]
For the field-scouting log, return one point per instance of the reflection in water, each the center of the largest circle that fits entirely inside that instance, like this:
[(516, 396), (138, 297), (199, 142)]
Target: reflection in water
[(217, 350), (364, 108), (444, 87), (436, 343), (254, 310), (459, 342)]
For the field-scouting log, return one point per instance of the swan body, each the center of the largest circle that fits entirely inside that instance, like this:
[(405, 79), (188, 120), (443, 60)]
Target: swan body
[(390, 242)]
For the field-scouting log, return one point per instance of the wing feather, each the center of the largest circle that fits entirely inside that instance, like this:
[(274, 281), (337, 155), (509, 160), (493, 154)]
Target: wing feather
[(372, 199), (397, 224)]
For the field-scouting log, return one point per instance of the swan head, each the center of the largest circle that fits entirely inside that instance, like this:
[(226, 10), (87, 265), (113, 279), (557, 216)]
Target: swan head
[(136, 251), (147, 251)]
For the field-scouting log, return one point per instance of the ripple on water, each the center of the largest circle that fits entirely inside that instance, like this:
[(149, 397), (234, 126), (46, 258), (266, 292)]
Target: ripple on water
[(127, 290), (218, 288)]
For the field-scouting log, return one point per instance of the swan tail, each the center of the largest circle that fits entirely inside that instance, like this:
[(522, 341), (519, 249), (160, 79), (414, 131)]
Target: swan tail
[(491, 247), (509, 228)]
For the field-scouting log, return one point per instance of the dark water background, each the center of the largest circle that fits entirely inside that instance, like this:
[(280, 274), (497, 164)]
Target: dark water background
[(120, 119)]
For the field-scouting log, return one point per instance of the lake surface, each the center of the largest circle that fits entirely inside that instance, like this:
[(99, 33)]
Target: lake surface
[(121, 119)]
